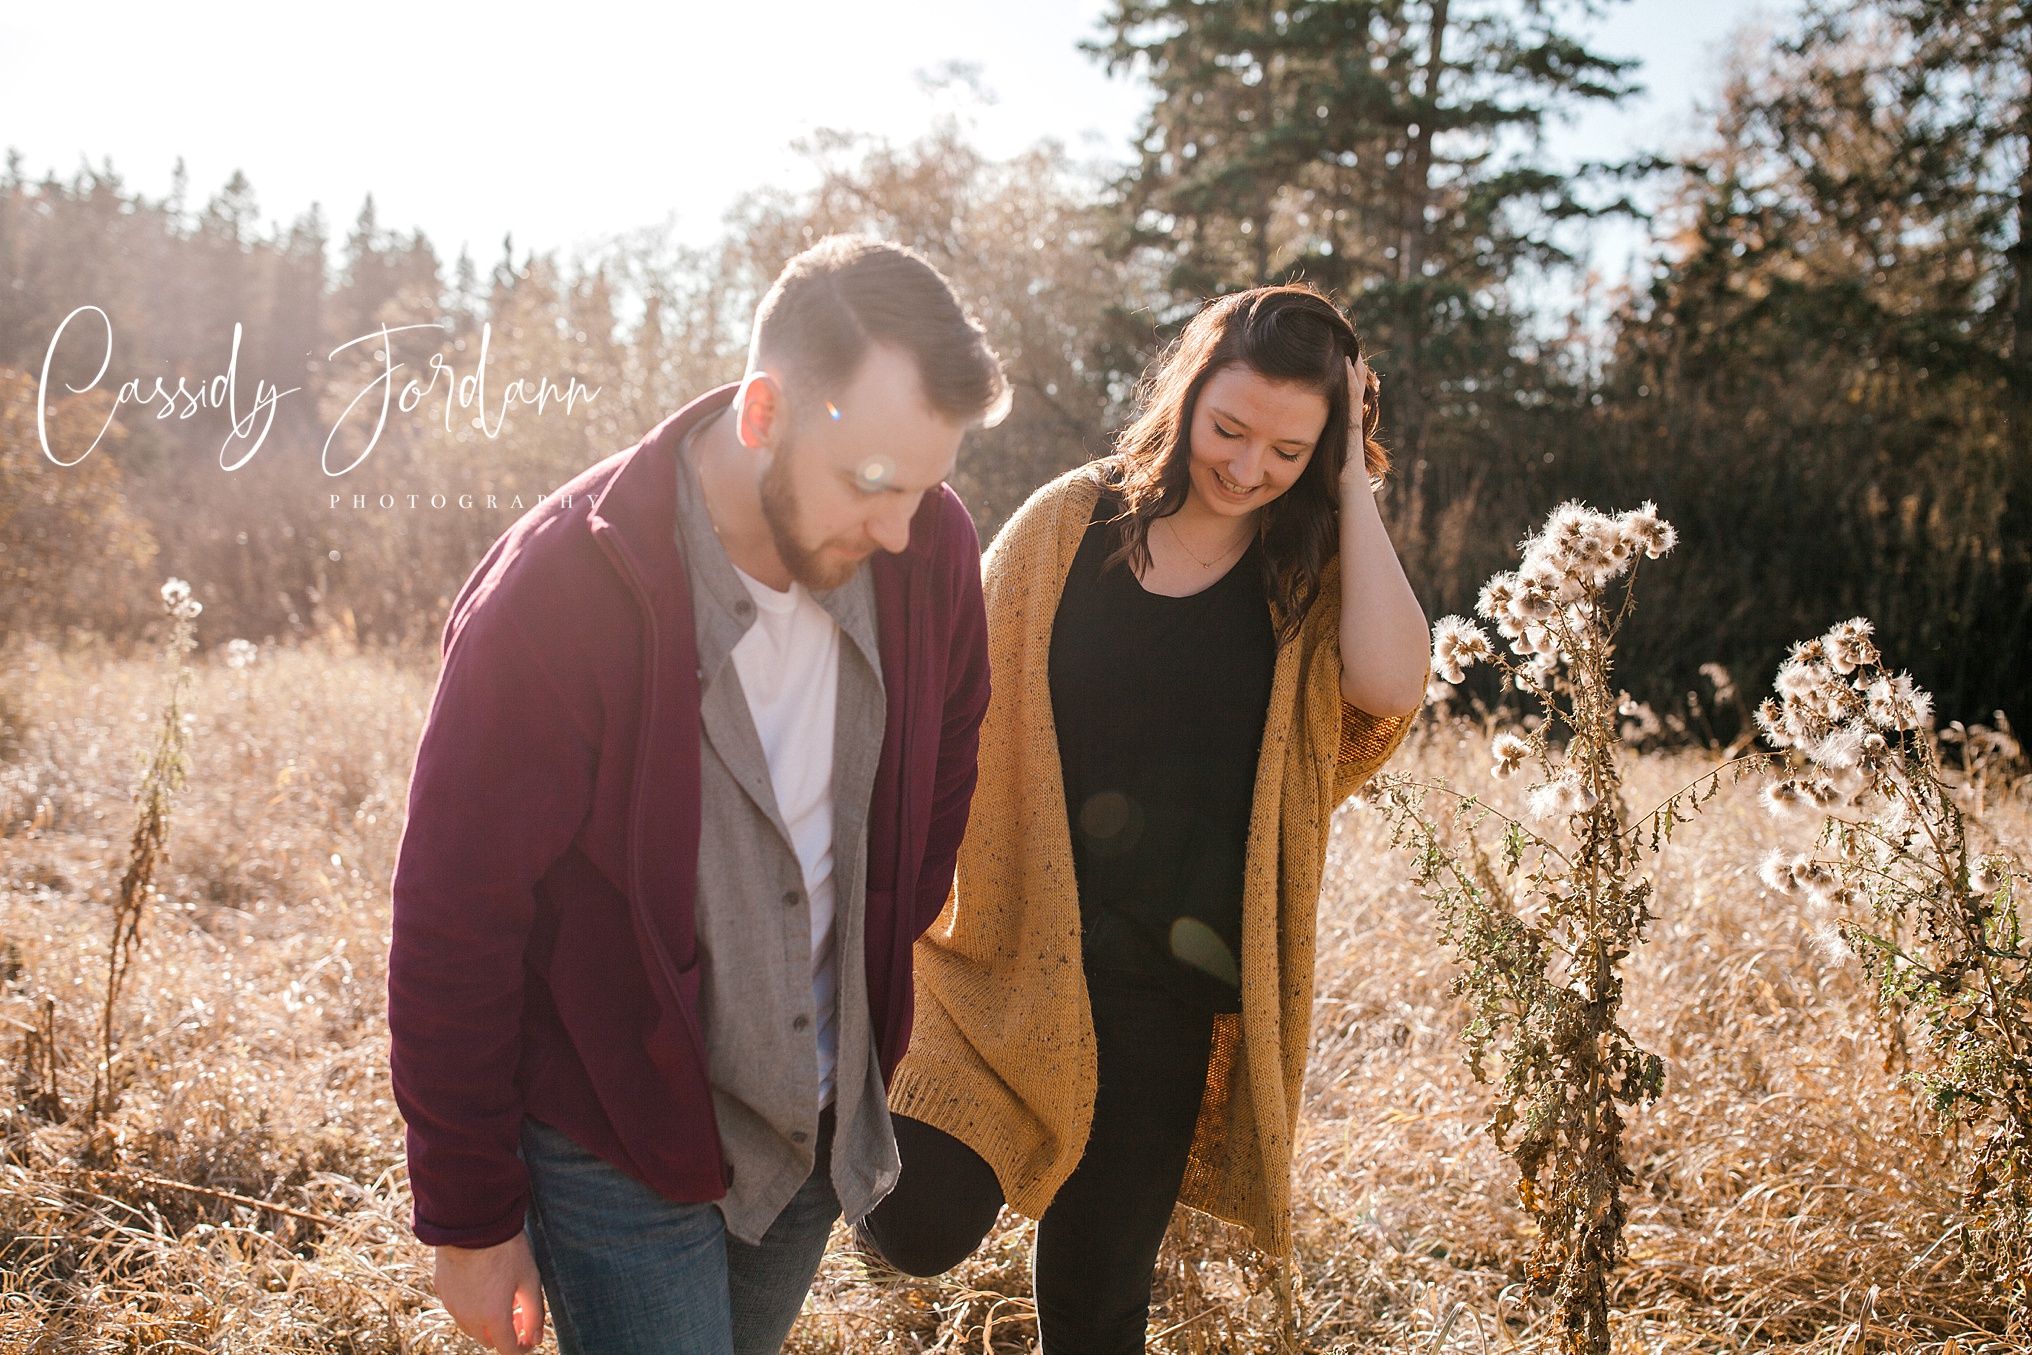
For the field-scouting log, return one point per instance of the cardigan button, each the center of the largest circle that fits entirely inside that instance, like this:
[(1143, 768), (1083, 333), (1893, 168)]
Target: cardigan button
[(791, 898), (798, 1136), (800, 1023)]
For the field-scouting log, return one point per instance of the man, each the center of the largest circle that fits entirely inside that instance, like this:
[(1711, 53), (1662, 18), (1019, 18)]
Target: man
[(692, 783)]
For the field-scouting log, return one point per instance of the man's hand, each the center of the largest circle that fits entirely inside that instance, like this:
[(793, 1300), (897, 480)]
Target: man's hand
[(494, 1294)]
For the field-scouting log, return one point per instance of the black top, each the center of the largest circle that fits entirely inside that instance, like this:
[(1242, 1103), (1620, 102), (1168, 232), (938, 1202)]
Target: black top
[(1160, 703)]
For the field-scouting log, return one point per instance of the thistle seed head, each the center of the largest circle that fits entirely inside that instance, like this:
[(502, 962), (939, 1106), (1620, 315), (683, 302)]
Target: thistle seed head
[(1776, 872), (1897, 703), (1770, 719), (1825, 795), (1647, 531), (1800, 681), (1848, 645), (1457, 644), (1830, 944), (178, 602), (1784, 799), (1509, 752), (1841, 749), (1561, 797), (1494, 600), (1815, 879)]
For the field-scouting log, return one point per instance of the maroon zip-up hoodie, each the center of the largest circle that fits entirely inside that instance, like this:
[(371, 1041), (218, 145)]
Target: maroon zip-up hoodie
[(544, 954)]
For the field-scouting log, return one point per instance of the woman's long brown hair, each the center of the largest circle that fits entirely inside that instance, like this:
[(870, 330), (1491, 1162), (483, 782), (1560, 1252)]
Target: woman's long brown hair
[(1291, 334)]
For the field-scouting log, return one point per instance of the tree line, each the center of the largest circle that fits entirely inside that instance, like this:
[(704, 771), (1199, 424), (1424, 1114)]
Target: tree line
[(1821, 374)]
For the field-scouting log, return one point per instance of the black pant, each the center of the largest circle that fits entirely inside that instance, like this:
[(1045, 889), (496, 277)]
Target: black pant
[(1097, 1243)]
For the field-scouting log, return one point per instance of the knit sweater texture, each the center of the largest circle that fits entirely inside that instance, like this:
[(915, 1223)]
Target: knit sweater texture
[(1002, 1056)]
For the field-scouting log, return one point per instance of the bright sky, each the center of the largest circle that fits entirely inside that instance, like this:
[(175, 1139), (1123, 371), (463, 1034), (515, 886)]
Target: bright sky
[(569, 123)]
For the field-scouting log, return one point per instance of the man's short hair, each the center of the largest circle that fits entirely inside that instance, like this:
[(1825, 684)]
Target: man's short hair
[(848, 292)]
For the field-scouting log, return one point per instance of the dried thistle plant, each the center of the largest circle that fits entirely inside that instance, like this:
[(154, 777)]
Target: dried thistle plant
[(162, 777), (1543, 917), (1927, 901)]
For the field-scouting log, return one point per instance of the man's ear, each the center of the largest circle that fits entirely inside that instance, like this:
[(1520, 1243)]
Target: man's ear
[(758, 406)]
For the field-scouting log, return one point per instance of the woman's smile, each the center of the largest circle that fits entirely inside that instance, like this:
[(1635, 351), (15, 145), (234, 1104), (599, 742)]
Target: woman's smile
[(1231, 489)]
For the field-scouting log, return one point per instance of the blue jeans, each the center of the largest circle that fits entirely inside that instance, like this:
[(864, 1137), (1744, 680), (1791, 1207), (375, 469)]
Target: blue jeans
[(629, 1272)]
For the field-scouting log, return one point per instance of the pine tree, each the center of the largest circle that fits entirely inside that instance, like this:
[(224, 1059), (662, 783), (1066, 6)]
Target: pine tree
[(1384, 148)]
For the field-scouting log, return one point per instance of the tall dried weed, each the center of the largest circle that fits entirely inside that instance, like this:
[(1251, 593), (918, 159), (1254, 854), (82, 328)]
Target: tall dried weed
[(162, 776), (1543, 909), (1927, 896)]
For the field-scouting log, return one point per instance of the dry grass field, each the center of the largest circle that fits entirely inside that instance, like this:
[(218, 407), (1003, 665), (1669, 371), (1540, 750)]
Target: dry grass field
[(248, 1194)]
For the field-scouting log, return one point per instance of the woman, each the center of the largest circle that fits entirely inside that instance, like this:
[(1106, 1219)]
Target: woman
[(1201, 645)]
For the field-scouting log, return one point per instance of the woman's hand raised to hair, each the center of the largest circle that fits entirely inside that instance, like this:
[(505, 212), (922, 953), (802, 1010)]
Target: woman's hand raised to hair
[(1362, 384), (1383, 633)]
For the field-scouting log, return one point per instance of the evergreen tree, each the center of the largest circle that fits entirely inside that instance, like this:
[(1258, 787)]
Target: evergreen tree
[(1827, 386), (1382, 148), (384, 267)]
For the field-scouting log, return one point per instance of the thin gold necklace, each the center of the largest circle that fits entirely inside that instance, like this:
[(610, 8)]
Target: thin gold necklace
[(1179, 537)]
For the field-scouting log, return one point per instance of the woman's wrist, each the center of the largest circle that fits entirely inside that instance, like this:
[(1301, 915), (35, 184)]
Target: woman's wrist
[(1356, 485)]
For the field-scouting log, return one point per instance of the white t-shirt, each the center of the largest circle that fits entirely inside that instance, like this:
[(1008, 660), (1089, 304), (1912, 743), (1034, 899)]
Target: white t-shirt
[(789, 662)]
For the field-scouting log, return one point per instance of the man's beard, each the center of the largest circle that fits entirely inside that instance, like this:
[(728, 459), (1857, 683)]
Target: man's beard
[(780, 511)]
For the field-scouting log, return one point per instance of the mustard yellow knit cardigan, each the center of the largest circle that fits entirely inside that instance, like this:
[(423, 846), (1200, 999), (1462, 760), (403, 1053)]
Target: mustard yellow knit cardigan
[(1002, 1054)]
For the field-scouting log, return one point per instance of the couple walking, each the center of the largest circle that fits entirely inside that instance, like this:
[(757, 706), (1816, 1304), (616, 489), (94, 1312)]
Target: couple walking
[(734, 898)]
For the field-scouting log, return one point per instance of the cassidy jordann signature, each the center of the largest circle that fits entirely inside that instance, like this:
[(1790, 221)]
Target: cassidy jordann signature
[(222, 392)]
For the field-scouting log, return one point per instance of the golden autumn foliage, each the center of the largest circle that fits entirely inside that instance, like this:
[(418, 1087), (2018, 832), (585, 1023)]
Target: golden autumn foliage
[(71, 551)]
